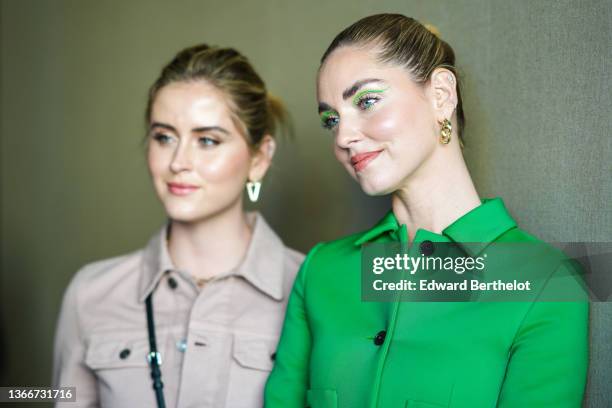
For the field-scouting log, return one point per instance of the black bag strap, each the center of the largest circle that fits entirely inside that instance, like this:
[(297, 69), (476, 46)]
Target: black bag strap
[(154, 357)]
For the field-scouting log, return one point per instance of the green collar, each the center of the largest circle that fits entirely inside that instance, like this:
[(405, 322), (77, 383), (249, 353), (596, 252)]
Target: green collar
[(479, 227), (386, 224)]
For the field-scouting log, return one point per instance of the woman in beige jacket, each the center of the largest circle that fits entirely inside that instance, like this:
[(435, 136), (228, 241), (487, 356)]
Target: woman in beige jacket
[(216, 278)]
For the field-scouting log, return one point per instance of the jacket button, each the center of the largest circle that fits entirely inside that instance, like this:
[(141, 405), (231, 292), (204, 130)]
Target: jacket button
[(427, 247), (380, 337), (172, 283), (181, 345), (125, 353)]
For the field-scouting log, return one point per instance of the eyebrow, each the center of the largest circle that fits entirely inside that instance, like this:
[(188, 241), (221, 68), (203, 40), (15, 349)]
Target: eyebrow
[(198, 129), (348, 92), (323, 107)]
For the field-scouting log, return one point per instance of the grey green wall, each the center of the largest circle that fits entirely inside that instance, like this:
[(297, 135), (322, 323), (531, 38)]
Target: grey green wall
[(74, 76)]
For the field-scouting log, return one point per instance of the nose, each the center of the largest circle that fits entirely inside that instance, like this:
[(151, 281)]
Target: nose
[(346, 135), (181, 160)]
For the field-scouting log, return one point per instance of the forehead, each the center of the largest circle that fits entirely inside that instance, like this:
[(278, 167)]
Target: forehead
[(196, 100), (348, 64)]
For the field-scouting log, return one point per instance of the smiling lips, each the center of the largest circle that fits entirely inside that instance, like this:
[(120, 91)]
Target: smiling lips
[(361, 160), (181, 189)]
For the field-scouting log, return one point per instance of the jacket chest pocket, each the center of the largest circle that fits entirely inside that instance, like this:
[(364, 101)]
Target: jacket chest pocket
[(105, 353), (254, 353), (119, 362), (251, 362)]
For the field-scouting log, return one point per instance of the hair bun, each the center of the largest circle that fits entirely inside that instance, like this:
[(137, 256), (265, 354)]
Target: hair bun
[(433, 29)]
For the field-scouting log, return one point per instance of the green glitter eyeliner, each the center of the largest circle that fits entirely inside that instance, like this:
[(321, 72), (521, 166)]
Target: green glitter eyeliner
[(358, 96), (326, 114)]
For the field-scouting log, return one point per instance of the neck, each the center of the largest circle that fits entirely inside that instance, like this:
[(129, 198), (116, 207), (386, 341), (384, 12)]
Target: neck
[(212, 245), (437, 194)]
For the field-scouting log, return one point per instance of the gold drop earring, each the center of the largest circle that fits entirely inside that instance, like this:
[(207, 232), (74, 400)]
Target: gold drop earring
[(445, 131)]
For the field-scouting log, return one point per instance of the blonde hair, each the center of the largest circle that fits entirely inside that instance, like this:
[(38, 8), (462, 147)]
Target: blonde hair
[(404, 41), (258, 113)]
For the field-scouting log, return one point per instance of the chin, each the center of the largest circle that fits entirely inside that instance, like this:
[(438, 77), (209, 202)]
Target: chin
[(183, 217), (376, 184), (185, 213), (198, 210), (374, 189)]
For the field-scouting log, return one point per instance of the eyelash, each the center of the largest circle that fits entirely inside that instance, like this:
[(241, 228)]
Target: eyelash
[(364, 98), (204, 141), (327, 118), (164, 139)]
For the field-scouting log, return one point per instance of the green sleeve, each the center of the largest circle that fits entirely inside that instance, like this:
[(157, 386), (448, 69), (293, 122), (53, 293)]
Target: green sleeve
[(288, 382), (549, 356)]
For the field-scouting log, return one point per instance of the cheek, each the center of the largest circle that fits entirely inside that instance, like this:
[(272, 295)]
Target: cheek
[(385, 125), (156, 160), (224, 165), (342, 155), (405, 126)]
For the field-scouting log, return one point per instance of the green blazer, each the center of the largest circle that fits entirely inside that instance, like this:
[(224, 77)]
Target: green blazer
[(339, 351)]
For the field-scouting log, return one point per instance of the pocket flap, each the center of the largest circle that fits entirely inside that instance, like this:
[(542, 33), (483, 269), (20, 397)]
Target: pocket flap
[(254, 352), (118, 351)]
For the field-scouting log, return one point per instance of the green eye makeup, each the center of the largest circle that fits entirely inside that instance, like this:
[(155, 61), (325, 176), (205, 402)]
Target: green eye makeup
[(367, 98), (329, 119), (363, 100)]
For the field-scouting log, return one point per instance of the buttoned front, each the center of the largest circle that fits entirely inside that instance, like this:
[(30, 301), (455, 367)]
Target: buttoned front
[(337, 351), (217, 343)]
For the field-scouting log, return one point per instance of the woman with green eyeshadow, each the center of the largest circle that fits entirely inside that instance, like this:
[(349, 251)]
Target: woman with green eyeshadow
[(389, 93)]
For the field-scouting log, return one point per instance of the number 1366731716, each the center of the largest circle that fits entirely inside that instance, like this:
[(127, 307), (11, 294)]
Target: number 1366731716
[(18, 394)]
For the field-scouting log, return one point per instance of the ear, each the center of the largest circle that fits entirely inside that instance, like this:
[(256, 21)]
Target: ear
[(444, 88), (262, 158)]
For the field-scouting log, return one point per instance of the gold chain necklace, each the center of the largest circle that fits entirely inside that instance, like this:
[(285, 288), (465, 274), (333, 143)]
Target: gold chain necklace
[(200, 282)]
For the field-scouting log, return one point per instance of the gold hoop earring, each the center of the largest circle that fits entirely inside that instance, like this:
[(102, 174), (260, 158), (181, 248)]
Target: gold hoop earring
[(445, 131)]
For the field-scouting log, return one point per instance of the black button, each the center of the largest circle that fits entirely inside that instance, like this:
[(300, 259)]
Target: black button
[(172, 283), (380, 337), (427, 247), (125, 353), (273, 356)]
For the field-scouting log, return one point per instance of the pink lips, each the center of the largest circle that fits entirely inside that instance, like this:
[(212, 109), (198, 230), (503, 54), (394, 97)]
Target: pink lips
[(181, 189), (361, 160)]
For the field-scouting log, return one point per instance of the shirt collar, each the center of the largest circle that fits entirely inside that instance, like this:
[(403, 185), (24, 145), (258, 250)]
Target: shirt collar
[(473, 231), (386, 224), (481, 226), (155, 262), (262, 265)]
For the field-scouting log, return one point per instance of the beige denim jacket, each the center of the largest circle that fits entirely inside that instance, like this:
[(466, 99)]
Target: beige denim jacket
[(217, 343)]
